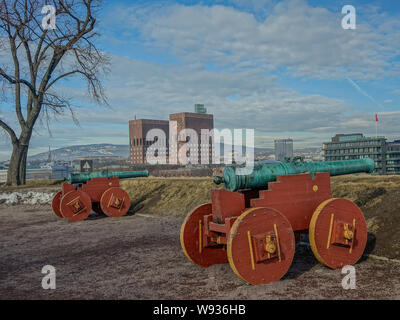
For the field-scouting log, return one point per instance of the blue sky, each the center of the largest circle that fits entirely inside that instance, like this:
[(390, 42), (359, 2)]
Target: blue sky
[(285, 68)]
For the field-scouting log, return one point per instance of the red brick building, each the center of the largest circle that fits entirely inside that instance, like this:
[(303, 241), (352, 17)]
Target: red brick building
[(138, 144), (197, 122), (138, 130)]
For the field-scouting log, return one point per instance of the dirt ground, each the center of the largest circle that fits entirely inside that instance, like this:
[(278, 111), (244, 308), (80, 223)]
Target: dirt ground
[(139, 257)]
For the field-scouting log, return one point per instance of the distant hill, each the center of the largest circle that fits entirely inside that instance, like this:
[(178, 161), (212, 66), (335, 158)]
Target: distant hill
[(101, 150), (84, 151)]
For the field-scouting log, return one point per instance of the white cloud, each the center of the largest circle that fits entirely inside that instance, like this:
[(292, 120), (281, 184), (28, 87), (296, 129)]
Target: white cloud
[(247, 98), (306, 41)]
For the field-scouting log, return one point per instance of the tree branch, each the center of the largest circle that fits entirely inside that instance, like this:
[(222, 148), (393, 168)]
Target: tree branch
[(10, 131), (12, 80)]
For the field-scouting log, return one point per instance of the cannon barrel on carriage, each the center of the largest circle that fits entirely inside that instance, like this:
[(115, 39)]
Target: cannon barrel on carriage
[(255, 221), (97, 191)]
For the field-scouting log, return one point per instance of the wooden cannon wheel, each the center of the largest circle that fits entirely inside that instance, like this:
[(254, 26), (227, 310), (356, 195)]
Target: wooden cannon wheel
[(261, 245), (338, 233), (75, 205), (191, 237), (115, 202), (55, 204)]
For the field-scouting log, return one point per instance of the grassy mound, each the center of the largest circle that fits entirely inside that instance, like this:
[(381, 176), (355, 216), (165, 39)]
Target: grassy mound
[(168, 196)]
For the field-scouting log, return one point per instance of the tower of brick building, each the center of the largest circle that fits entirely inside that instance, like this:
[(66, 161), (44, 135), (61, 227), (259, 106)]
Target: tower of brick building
[(197, 122), (138, 144)]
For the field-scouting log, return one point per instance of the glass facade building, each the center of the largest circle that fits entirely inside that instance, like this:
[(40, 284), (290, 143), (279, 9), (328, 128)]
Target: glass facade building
[(355, 146), (283, 148)]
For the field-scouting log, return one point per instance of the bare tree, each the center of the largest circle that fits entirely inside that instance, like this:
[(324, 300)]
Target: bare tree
[(41, 58)]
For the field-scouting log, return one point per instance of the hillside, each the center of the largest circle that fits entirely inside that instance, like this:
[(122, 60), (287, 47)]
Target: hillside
[(84, 151), (101, 150)]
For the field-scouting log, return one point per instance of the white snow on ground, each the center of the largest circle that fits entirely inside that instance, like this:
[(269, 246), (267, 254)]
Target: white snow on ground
[(26, 198)]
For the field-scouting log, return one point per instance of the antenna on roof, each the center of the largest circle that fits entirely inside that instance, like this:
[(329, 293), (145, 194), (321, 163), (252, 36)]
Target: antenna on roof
[(49, 157)]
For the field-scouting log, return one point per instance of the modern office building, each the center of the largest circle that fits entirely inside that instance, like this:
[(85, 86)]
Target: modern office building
[(138, 144), (393, 157), (283, 148), (356, 146)]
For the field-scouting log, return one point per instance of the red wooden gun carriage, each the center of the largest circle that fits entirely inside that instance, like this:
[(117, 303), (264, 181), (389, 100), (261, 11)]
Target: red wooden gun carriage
[(254, 222), (97, 191)]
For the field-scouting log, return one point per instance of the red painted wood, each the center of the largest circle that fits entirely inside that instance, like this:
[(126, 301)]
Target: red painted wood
[(338, 254), (259, 223), (190, 239), (66, 187), (289, 203), (96, 189), (55, 204), (115, 202), (97, 186), (72, 198), (226, 204), (295, 198)]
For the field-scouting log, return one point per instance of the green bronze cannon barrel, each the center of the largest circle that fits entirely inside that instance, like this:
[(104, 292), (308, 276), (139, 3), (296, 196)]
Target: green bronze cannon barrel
[(265, 173), (75, 178)]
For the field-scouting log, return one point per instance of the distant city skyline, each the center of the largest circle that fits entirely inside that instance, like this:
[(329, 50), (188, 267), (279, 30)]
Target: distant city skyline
[(284, 68)]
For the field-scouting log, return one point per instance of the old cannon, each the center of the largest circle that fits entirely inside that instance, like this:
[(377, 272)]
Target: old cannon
[(255, 221), (97, 191)]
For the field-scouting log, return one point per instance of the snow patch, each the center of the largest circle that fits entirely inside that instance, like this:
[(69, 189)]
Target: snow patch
[(31, 197)]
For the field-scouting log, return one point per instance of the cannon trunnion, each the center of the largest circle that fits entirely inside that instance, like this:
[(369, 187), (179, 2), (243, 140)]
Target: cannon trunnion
[(255, 229), (97, 191)]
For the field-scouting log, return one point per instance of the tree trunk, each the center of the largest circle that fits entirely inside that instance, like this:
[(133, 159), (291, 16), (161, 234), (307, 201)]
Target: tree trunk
[(22, 166), (13, 174), (16, 174)]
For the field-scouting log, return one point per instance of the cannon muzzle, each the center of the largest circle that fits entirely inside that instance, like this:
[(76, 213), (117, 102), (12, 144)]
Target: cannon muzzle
[(75, 178), (265, 173)]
